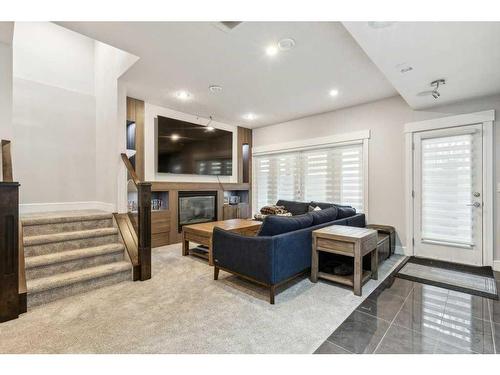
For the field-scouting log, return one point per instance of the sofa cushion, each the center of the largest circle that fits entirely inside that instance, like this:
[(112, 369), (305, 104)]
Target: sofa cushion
[(296, 208), (345, 212), (274, 225), (324, 216)]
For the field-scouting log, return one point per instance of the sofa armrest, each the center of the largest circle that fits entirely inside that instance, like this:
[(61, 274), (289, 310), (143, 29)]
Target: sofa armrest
[(249, 256), (386, 229)]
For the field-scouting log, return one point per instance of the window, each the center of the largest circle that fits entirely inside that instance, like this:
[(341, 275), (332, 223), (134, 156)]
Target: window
[(333, 174), (447, 180)]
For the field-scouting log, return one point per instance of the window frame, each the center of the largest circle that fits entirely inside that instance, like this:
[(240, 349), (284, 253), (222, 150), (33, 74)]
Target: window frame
[(338, 140)]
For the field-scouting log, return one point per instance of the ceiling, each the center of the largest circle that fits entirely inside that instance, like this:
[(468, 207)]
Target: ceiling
[(465, 54), (292, 84)]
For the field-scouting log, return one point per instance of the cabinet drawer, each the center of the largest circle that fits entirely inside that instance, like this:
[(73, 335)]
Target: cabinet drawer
[(159, 239), (338, 246)]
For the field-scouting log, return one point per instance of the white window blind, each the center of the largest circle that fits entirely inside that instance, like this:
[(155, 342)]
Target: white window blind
[(446, 189), (333, 174)]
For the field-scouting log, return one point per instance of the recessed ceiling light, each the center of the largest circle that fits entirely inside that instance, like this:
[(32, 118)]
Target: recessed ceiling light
[(249, 116), (215, 88), (210, 128), (183, 95), (271, 50), (334, 92), (286, 44), (174, 137)]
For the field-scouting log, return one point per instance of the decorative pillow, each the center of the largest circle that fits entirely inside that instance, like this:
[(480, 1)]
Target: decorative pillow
[(345, 212), (321, 205), (296, 208), (324, 216), (312, 208), (274, 225)]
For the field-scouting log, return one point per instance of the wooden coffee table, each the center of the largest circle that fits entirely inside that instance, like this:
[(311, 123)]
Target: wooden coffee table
[(349, 241), (202, 233)]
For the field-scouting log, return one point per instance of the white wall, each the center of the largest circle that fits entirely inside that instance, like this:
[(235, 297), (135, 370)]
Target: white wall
[(66, 118), (385, 119), (109, 64), (150, 113), (6, 131), (53, 115)]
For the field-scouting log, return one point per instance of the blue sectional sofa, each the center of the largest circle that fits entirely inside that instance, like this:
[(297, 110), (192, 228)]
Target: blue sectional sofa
[(282, 248)]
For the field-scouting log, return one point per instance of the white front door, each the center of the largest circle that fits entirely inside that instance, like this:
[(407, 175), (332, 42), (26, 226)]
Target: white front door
[(448, 194)]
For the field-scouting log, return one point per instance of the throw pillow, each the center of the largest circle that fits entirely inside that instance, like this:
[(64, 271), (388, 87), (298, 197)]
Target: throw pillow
[(274, 225), (296, 208), (324, 216), (345, 212), (312, 208), (321, 205)]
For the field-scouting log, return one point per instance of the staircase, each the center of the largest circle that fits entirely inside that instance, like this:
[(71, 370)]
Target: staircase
[(70, 253)]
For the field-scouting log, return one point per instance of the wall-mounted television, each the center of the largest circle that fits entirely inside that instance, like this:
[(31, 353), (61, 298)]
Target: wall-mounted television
[(187, 148)]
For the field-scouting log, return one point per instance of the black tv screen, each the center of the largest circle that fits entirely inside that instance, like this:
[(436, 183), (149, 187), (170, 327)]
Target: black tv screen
[(187, 148)]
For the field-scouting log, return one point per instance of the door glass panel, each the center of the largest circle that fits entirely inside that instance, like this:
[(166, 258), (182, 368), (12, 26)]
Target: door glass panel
[(447, 177)]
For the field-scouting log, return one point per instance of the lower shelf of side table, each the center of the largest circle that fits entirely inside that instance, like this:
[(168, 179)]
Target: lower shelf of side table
[(346, 280)]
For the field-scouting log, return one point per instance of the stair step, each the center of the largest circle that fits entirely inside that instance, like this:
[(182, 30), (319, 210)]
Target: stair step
[(72, 260), (54, 243), (68, 236), (68, 278), (52, 225), (64, 217), (66, 256)]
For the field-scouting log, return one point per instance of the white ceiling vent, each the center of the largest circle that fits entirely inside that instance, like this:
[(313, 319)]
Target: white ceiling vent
[(226, 26)]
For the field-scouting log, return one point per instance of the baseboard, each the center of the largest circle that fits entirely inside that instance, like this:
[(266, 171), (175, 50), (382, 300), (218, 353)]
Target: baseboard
[(29, 208), (400, 250), (496, 265)]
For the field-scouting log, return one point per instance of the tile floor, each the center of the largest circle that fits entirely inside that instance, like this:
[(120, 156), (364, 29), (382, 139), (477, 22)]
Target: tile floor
[(405, 317)]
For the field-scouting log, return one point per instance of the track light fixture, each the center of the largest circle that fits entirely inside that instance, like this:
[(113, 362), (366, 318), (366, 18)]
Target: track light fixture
[(435, 84)]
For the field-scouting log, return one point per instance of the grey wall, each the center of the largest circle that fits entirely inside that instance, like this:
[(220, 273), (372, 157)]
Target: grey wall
[(386, 119)]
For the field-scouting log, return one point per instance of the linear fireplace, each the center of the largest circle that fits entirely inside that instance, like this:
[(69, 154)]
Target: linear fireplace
[(196, 207)]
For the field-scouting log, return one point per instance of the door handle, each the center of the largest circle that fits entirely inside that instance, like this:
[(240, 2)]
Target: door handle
[(475, 204)]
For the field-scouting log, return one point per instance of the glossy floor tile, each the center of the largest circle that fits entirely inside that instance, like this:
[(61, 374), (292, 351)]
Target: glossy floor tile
[(394, 285), (405, 341), (329, 348), (384, 305), (402, 316), (359, 333), (421, 313)]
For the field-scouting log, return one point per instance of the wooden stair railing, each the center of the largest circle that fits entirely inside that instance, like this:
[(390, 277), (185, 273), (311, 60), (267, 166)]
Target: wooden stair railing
[(137, 236), (12, 273)]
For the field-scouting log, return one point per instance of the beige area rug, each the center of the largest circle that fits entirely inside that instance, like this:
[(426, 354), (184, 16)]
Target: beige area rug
[(183, 310)]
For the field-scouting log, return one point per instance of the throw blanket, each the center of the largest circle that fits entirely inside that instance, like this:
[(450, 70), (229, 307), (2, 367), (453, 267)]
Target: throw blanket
[(273, 210)]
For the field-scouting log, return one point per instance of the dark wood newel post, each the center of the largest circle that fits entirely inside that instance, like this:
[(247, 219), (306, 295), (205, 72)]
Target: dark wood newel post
[(9, 251), (144, 218)]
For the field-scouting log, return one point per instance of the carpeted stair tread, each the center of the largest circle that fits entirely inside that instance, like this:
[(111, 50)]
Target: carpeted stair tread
[(66, 256), (62, 217), (68, 278), (68, 236)]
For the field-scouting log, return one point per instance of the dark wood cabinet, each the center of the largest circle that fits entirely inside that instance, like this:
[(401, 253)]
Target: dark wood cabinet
[(160, 228)]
